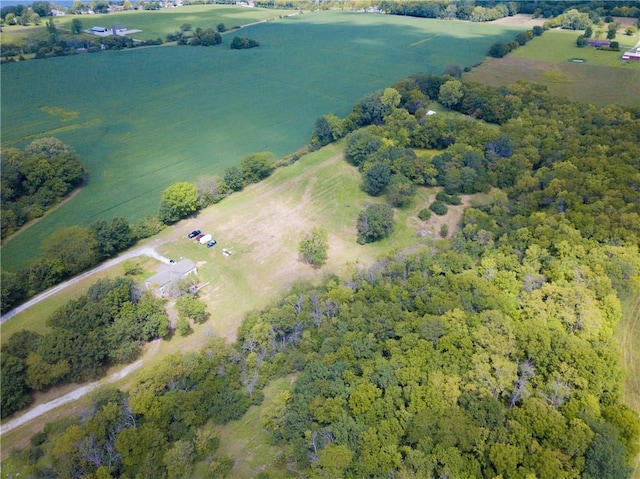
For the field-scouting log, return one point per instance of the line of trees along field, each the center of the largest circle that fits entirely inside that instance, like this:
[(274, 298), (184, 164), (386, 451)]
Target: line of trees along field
[(490, 355), (36, 179)]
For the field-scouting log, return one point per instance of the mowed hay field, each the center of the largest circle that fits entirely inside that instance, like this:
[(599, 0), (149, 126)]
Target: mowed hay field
[(602, 79), (143, 119)]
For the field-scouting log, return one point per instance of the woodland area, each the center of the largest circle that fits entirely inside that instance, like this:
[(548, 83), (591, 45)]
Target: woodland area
[(35, 179), (488, 355)]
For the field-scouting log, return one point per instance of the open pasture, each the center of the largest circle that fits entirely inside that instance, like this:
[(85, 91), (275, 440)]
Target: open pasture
[(143, 119), (157, 24), (602, 79)]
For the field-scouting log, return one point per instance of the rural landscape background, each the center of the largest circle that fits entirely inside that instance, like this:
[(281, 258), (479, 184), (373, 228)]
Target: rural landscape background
[(147, 118), (144, 119)]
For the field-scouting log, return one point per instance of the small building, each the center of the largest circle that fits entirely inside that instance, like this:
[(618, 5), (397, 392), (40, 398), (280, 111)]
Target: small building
[(633, 54), (594, 42), (170, 273)]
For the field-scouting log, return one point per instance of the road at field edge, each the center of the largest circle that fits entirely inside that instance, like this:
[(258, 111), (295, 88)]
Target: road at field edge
[(141, 251)]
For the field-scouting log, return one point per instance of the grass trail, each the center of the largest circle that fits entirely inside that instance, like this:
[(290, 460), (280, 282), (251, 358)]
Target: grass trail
[(629, 340)]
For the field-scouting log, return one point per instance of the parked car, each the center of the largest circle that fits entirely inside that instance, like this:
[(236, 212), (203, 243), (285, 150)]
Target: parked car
[(194, 233), (197, 238), (211, 243)]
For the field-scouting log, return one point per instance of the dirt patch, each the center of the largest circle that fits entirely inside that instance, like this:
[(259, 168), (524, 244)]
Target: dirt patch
[(432, 227)]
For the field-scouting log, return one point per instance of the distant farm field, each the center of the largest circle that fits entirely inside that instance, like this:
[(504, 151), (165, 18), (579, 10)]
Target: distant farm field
[(143, 119), (159, 23), (602, 78)]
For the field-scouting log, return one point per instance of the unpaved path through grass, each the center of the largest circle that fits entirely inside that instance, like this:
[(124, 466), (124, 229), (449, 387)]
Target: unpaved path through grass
[(629, 340)]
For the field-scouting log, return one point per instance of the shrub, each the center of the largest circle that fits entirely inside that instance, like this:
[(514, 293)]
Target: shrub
[(439, 208), (313, 248), (424, 214), (241, 43), (444, 230)]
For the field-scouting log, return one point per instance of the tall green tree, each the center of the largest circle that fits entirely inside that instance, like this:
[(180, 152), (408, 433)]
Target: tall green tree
[(375, 222), (178, 201)]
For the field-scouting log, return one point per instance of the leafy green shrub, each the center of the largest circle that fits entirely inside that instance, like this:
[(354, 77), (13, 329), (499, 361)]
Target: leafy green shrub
[(444, 230), (439, 208), (241, 43), (424, 214)]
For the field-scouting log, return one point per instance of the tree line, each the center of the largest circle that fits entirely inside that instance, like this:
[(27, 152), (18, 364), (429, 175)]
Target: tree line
[(490, 354), (36, 179), (106, 326)]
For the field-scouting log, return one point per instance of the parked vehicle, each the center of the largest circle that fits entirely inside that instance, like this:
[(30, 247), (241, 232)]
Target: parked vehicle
[(194, 233), (199, 237), (211, 243), (205, 238)]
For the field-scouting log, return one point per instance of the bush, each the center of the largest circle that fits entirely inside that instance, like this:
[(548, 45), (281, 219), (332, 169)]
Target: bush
[(242, 43), (424, 214), (448, 199), (439, 208), (313, 248), (444, 230)]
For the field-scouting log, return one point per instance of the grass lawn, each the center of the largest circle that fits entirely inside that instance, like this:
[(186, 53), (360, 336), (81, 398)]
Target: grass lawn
[(143, 119), (603, 79), (247, 444)]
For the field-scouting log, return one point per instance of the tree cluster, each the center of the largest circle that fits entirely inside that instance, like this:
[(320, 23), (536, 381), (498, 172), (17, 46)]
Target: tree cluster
[(71, 250), (104, 327), (499, 50), (243, 43), (204, 37), (36, 179), (156, 429)]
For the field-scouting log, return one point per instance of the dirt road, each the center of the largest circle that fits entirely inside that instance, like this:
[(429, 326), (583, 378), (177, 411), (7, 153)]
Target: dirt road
[(72, 396)]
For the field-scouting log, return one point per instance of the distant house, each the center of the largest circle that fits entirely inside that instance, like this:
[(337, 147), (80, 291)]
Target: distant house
[(170, 273)]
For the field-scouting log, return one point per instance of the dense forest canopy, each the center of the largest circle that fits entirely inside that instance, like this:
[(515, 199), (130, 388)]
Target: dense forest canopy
[(489, 355)]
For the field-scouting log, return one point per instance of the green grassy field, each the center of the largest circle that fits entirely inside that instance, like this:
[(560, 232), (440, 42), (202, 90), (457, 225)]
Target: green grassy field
[(143, 119), (159, 23), (602, 79)]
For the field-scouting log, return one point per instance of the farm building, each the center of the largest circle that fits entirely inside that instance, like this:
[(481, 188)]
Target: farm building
[(633, 54), (594, 42), (170, 273)]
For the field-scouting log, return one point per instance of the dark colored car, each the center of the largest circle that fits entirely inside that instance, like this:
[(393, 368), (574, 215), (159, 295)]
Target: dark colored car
[(194, 233), (197, 238), (211, 243)]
